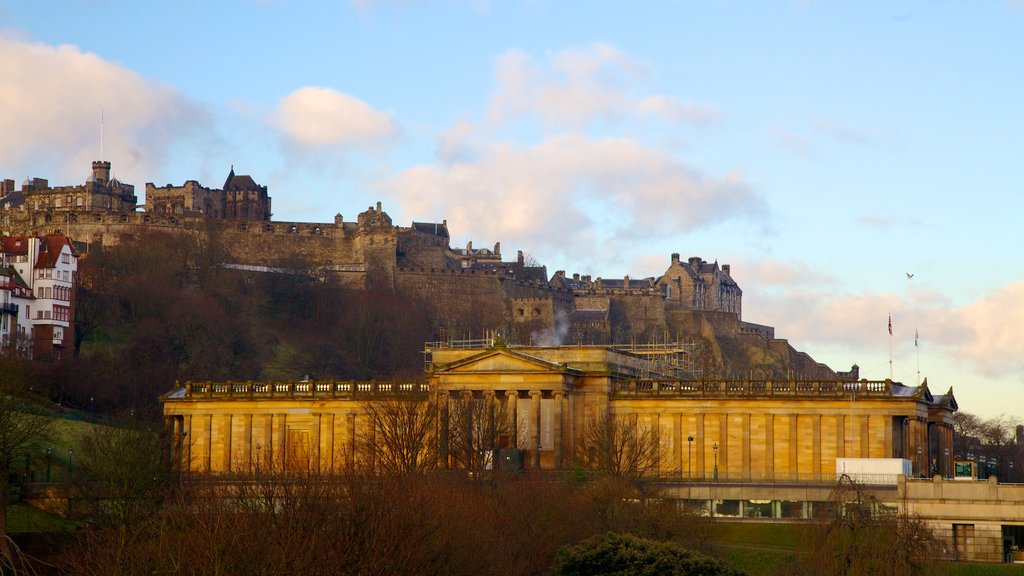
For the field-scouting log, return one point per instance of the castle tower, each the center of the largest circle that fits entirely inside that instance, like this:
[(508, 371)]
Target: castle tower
[(101, 171)]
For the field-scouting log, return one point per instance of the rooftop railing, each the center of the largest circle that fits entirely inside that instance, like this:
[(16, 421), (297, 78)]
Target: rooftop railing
[(301, 389), (747, 388)]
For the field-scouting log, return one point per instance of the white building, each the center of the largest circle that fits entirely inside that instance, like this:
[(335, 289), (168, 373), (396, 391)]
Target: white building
[(49, 267)]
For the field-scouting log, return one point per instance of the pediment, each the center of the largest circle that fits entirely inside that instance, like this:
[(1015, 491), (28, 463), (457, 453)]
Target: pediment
[(505, 361)]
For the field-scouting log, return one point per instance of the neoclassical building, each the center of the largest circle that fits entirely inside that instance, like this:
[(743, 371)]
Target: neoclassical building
[(780, 431)]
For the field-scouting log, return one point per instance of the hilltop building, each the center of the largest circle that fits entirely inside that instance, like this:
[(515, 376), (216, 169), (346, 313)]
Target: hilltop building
[(241, 199), (100, 194)]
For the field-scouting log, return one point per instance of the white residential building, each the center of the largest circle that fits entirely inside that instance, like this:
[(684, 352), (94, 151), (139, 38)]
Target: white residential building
[(49, 267)]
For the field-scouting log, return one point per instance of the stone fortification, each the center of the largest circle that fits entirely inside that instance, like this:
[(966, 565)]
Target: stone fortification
[(468, 291)]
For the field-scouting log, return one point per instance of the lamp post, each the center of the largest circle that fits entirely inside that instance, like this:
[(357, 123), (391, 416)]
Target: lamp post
[(49, 451), (945, 462), (920, 467), (70, 468), (689, 452), (715, 450)]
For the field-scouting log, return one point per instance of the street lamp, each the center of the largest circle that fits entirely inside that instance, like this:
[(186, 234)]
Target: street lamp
[(689, 451), (70, 469), (49, 451), (715, 450), (920, 467), (945, 461)]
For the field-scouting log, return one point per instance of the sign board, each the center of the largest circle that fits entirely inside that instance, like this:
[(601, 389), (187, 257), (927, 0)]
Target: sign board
[(964, 470)]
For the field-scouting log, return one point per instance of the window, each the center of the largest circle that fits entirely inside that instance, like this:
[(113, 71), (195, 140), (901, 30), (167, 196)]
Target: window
[(47, 315), (65, 258)]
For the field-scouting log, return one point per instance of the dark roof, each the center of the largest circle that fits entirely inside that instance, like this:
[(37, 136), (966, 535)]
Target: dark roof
[(631, 283), (13, 199), (15, 245), (240, 182), (50, 249), (438, 228)]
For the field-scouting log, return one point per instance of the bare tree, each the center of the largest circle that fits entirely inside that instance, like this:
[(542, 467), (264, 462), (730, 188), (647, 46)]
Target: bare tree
[(620, 446), (860, 537), (21, 431), (474, 427), (400, 437)]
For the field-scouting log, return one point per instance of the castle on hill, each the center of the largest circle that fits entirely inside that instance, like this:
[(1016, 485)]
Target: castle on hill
[(694, 307)]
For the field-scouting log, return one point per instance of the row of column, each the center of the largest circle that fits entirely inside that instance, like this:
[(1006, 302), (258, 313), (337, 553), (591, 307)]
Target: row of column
[(194, 443), (533, 432)]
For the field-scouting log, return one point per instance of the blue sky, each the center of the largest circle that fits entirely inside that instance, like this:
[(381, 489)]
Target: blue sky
[(823, 149)]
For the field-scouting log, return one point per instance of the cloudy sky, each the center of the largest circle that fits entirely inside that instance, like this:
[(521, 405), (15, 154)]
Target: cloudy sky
[(823, 149)]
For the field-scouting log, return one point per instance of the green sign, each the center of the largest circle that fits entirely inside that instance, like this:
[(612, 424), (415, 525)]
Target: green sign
[(964, 470)]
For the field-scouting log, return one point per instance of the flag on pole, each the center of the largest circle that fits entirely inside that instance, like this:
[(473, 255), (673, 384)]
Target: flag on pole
[(890, 324), (915, 337)]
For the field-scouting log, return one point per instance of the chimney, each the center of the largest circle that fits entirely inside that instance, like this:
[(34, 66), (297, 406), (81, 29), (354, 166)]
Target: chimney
[(519, 256), (378, 206), (8, 187), (576, 277), (675, 259), (695, 263), (726, 268), (101, 171), (469, 246), (497, 248), (560, 273)]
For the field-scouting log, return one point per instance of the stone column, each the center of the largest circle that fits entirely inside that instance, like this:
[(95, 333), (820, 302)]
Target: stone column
[(314, 458), (698, 441), (769, 445), (489, 411), (228, 419), (746, 446), (816, 449), (188, 439), (794, 446), (841, 436), (444, 438), (513, 418), (207, 431), (267, 460), (865, 437), (351, 457), (559, 426), (327, 429), (247, 443), (677, 444), (535, 427), (723, 445), (281, 443)]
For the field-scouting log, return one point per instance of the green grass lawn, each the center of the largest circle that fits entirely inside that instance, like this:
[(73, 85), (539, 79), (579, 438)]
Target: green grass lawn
[(760, 549), (22, 518)]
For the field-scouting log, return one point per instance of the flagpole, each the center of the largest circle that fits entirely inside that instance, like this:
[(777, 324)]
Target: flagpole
[(917, 352), (890, 346)]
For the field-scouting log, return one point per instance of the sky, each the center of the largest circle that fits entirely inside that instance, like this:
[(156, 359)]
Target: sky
[(825, 150)]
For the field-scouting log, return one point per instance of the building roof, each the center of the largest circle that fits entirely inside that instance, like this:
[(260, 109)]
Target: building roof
[(15, 245), (440, 229), (50, 248), (240, 182)]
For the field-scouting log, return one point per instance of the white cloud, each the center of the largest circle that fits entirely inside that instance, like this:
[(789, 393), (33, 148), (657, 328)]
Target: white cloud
[(576, 87), (993, 328), (315, 117), (987, 335), (671, 109), (53, 97), (555, 193)]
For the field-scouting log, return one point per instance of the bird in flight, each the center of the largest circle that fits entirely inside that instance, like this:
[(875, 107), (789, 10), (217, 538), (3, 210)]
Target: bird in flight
[(909, 275)]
